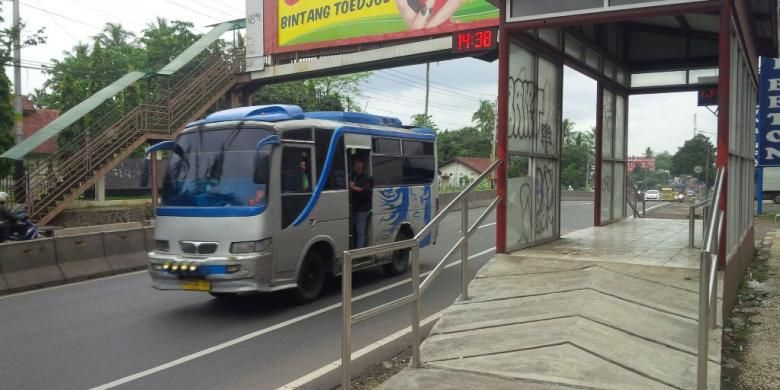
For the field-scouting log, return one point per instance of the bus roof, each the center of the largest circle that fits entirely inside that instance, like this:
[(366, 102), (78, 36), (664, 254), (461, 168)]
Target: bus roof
[(289, 114)]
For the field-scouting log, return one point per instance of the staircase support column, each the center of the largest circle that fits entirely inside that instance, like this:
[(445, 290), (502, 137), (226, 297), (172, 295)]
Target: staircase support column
[(100, 189)]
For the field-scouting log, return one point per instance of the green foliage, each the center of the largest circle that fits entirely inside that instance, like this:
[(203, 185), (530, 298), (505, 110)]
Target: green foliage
[(423, 120), (649, 180), (649, 152), (577, 158), (663, 161), (335, 93), (113, 53), (485, 117), (7, 36), (692, 153), (466, 142)]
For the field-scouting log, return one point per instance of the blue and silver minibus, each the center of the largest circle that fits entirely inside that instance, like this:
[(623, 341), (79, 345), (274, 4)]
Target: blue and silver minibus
[(257, 199)]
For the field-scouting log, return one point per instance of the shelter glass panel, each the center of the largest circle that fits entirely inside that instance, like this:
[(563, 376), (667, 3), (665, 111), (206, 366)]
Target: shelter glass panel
[(547, 141), (618, 206), (522, 91), (519, 233)]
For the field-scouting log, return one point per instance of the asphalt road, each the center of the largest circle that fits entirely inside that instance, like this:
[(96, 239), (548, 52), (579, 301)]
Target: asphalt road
[(119, 332)]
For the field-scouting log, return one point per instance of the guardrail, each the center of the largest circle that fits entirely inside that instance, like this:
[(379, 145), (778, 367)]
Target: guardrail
[(708, 280), (705, 206), (413, 245)]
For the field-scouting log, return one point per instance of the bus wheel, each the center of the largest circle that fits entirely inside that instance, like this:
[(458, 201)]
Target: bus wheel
[(224, 296), (311, 279), (400, 262), (776, 199)]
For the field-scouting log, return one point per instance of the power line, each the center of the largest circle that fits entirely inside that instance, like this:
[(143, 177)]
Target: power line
[(443, 85), (192, 10), (214, 8), (414, 85), (60, 16), (442, 106)]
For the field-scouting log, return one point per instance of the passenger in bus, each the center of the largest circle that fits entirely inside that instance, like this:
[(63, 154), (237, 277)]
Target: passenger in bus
[(298, 180), (361, 188)]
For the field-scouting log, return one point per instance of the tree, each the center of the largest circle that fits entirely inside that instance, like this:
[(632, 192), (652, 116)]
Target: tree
[(694, 152), (485, 117), (335, 93), (578, 155), (424, 120), (7, 37), (114, 35), (466, 142), (163, 40), (649, 153), (567, 126), (663, 161)]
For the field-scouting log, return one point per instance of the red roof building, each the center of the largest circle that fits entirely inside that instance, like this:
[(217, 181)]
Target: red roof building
[(35, 119)]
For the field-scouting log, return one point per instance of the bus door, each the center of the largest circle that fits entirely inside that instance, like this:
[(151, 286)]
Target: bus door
[(358, 146), (297, 181)]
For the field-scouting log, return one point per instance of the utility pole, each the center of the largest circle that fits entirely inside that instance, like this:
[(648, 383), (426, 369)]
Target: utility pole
[(427, 86), (18, 129)]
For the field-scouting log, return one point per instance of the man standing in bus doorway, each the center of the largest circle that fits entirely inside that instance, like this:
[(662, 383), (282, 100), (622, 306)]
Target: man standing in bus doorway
[(361, 188)]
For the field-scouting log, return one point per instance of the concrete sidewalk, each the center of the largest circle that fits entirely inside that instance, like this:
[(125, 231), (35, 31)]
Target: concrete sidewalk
[(541, 319)]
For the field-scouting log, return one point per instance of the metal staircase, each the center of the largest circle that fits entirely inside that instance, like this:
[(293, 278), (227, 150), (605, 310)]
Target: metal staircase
[(67, 174)]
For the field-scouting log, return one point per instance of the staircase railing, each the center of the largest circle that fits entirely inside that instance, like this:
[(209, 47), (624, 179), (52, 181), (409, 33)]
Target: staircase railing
[(111, 138), (413, 245), (708, 280)]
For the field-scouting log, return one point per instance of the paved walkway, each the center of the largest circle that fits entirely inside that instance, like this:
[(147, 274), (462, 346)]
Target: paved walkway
[(603, 308)]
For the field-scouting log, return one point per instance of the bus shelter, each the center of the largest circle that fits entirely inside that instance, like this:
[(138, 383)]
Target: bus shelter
[(628, 47)]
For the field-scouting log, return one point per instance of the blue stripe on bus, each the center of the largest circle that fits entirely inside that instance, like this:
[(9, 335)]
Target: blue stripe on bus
[(337, 134), (209, 212), (203, 270)]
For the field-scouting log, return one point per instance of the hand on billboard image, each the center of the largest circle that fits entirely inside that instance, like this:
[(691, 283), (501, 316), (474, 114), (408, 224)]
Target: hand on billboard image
[(420, 14)]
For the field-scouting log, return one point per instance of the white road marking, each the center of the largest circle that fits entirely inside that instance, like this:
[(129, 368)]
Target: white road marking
[(71, 284), (255, 334), (336, 364)]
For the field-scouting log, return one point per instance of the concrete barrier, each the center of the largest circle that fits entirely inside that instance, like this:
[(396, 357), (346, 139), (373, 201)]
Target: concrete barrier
[(476, 199), (125, 250), (578, 195), (82, 256), (96, 229), (29, 264)]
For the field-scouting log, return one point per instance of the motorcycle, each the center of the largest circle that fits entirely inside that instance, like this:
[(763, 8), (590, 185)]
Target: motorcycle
[(23, 230)]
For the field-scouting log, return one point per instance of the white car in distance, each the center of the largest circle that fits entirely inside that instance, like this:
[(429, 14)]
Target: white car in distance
[(652, 195)]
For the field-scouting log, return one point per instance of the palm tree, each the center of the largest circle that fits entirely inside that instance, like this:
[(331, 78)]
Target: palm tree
[(568, 127), (485, 117), (649, 153), (114, 34)]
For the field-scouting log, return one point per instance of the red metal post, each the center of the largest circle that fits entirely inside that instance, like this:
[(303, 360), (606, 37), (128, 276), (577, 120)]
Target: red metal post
[(724, 91), (597, 163), (501, 134), (153, 183)]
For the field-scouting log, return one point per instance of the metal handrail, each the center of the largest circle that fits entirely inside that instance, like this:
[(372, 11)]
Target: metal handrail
[(708, 279), (413, 245), (692, 220)]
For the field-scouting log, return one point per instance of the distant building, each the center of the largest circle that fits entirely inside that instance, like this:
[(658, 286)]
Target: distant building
[(35, 119), (644, 162), (462, 170)]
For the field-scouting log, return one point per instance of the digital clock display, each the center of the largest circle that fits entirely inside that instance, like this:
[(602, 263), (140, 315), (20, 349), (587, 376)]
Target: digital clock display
[(475, 40)]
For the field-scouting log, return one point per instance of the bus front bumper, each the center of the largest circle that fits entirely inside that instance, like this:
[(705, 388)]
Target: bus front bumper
[(233, 274)]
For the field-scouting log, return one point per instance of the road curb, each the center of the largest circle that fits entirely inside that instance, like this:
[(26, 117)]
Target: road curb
[(329, 376)]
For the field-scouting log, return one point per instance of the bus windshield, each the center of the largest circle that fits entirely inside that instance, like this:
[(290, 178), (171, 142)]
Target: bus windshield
[(218, 168)]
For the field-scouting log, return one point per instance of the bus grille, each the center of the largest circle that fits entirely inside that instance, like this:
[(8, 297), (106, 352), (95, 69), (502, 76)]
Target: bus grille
[(198, 248)]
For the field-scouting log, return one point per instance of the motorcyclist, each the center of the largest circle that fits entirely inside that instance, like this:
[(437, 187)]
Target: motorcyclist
[(7, 217)]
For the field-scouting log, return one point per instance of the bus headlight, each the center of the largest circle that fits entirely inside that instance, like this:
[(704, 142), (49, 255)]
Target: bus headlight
[(250, 246)]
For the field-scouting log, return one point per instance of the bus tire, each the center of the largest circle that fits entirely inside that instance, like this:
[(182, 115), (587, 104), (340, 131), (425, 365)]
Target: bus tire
[(776, 199), (311, 278), (223, 296), (400, 261)]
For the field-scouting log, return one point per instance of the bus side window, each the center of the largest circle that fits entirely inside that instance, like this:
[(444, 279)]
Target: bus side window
[(297, 182), (337, 177)]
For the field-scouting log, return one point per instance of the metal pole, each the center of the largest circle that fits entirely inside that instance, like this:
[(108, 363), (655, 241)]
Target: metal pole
[(713, 304), (644, 207), (691, 225), (464, 250), (346, 322), (707, 170), (703, 350), (18, 113), (760, 189), (153, 183), (415, 307), (427, 86)]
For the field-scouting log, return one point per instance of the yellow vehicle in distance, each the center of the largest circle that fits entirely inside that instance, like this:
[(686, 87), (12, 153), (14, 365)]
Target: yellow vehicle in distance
[(668, 193)]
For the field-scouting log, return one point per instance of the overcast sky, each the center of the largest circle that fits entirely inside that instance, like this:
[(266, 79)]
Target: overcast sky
[(662, 122)]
